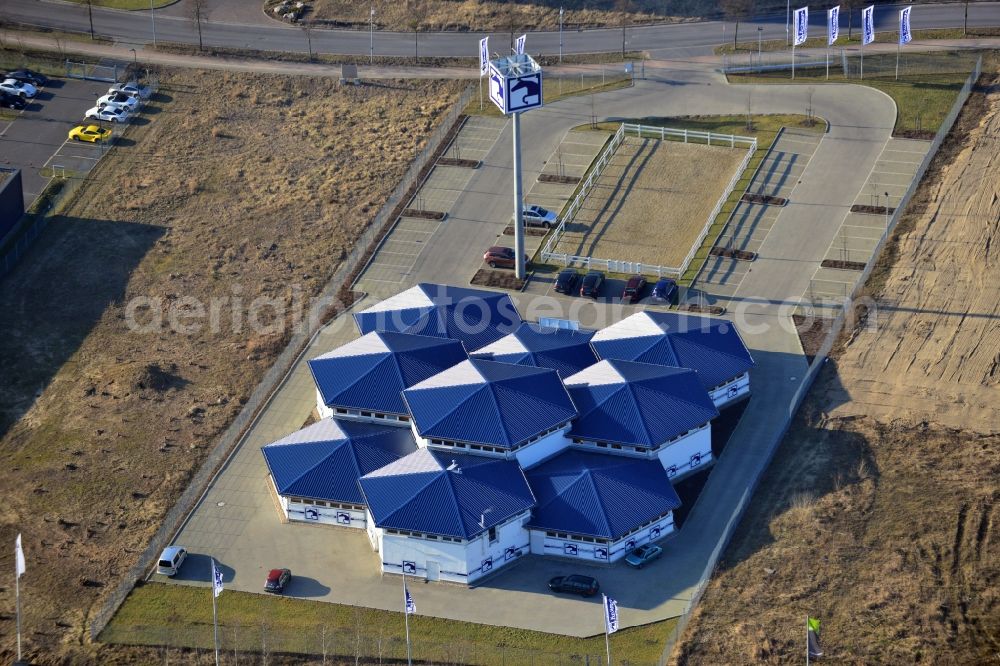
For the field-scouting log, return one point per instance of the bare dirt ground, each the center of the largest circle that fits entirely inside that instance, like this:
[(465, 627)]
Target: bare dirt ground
[(651, 201), (240, 190), (879, 514), (481, 15)]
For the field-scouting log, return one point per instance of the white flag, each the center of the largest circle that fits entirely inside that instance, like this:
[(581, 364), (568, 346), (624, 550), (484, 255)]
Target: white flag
[(833, 25), (801, 23), (484, 56), (868, 25), (411, 608), (610, 614), (216, 580), (519, 44), (18, 557), (904, 26)]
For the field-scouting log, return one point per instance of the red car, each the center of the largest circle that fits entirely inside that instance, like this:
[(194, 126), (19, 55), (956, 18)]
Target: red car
[(633, 289), (277, 580), (499, 257)]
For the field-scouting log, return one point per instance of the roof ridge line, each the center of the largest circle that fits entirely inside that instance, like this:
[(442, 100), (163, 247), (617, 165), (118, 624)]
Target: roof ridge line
[(600, 499), (325, 458)]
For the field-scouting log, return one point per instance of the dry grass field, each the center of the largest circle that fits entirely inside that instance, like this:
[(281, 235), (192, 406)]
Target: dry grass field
[(478, 15), (651, 201), (240, 190), (879, 514)]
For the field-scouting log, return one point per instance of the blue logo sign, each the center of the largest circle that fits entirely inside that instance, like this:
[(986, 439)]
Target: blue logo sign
[(524, 92)]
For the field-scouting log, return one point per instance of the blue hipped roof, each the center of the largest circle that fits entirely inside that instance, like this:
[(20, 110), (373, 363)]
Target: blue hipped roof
[(599, 495), (559, 349), (711, 347), (325, 460), (637, 403), (476, 317), (371, 372), (483, 402), (445, 493)]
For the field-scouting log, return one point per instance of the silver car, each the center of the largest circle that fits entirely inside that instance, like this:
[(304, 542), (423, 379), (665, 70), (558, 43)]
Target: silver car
[(536, 216)]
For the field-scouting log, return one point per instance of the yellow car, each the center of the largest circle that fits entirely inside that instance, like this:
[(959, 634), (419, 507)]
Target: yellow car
[(91, 133)]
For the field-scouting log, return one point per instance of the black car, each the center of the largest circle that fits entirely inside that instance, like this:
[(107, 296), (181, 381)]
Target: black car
[(592, 282), (566, 280), (12, 101), (585, 586), (27, 76), (664, 290)]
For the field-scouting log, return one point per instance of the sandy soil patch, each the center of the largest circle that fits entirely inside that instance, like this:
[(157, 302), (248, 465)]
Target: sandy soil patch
[(879, 513), (239, 189), (651, 201)]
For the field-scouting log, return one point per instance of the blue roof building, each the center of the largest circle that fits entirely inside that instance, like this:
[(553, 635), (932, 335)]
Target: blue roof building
[(637, 405), (446, 494), (563, 350), (318, 466), (370, 373), (606, 498), (711, 347), (476, 317), (489, 407)]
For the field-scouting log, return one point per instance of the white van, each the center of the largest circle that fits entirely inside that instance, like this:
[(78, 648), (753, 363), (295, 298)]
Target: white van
[(171, 560)]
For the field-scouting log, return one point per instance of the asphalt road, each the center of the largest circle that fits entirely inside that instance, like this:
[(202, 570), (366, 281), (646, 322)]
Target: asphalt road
[(137, 27)]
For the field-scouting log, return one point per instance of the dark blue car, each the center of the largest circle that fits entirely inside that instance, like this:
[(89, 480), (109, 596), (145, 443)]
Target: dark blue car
[(664, 291)]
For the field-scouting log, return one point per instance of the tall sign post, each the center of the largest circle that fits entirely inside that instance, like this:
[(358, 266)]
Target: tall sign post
[(904, 34), (515, 87), (867, 32)]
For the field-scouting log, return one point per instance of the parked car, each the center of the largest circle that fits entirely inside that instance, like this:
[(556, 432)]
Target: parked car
[(119, 99), (277, 580), (664, 291), (536, 216), (566, 280), (12, 101), (643, 555), (131, 88), (633, 289), (499, 257), (19, 88), (171, 560), (111, 113), (592, 282), (28, 76), (585, 586), (90, 133)]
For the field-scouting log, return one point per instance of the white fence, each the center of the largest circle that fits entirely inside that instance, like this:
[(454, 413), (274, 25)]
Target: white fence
[(663, 134), (89, 71)]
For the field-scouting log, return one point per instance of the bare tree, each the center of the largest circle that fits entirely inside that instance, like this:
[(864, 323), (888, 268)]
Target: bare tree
[(90, 15), (199, 8), (309, 42), (849, 6), (737, 10), (416, 13), (624, 6)]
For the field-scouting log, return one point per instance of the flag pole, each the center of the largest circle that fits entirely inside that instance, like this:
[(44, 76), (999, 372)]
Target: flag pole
[(898, 43), (607, 635), (793, 59), (807, 639), (406, 617), (215, 615), (17, 603)]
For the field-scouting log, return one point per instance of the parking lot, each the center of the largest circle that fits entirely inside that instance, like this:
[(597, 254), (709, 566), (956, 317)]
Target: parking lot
[(36, 138)]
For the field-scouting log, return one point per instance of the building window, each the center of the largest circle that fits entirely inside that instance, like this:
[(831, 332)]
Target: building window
[(602, 445), (404, 419), (305, 501), (379, 416), (433, 537), (550, 534), (640, 449), (616, 447), (493, 534), (320, 503), (366, 413), (341, 410)]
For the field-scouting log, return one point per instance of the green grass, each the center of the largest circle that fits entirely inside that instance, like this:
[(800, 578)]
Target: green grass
[(556, 88), (922, 100), (127, 4), (181, 616), (855, 40), (764, 127)]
